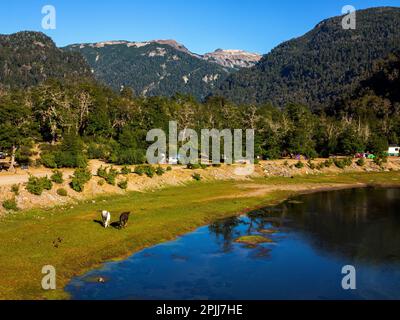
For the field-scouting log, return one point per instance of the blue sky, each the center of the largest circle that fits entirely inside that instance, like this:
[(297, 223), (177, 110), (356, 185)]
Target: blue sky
[(201, 25)]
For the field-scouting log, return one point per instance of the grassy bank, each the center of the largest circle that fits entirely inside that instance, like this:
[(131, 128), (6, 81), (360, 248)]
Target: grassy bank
[(29, 240)]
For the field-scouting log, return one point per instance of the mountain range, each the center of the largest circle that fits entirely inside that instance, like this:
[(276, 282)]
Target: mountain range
[(317, 69), (161, 67), (234, 59), (321, 67), (29, 58)]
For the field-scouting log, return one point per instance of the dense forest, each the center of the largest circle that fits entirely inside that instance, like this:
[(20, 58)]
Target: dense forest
[(321, 67), (152, 69), (76, 121), (329, 92), (29, 58)]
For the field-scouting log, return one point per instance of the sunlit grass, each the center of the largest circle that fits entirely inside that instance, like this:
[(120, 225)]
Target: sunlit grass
[(27, 237)]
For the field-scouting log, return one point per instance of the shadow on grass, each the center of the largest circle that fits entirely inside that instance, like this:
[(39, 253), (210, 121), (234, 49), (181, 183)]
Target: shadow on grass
[(115, 225)]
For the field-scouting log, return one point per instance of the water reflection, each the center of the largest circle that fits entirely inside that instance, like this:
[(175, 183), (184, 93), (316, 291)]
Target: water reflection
[(353, 224), (312, 238)]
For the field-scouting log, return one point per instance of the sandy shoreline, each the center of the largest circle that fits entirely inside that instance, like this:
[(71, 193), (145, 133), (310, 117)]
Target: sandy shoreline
[(178, 176)]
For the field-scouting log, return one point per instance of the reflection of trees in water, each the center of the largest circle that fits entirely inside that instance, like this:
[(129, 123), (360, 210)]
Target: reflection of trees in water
[(255, 221), (360, 224), (266, 218), (261, 253), (225, 229)]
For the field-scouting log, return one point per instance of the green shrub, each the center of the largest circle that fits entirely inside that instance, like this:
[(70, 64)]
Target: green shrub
[(24, 154), (70, 160), (63, 159), (311, 165), (111, 176), (45, 147), (70, 153), (101, 182), (160, 171), (129, 156), (321, 165), (79, 179), (203, 166), (67, 155), (169, 168), (48, 160), (102, 172), (339, 163), (360, 162), (57, 177), (62, 192), (34, 186), (343, 163), (139, 170), (299, 165), (10, 205), (38, 163), (46, 183), (108, 174), (96, 151), (149, 171), (123, 184), (126, 170), (196, 176), (380, 159), (328, 163), (348, 161), (193, 166), (15, 189)]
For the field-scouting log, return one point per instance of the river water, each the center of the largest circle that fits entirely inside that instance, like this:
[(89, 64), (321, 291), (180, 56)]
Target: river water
[(312, 238)]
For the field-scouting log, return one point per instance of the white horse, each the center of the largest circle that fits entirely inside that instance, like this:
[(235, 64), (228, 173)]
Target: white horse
[(106, 217)]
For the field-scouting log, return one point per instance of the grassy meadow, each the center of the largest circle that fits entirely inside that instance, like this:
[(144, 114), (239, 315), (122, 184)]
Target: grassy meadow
[(72, 240)]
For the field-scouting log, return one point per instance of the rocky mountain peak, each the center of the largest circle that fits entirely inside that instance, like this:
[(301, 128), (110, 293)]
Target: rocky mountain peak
[(233, 58)]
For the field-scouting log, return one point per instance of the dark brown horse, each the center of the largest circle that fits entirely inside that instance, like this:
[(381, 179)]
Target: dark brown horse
[(123, 219)]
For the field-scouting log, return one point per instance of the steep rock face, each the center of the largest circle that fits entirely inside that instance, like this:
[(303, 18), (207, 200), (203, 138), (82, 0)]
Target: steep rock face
[(28, 58), (151, 68), (321, 67), (235, 59)]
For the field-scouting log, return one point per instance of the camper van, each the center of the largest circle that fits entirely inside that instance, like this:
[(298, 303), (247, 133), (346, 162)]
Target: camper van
[(394, 151)]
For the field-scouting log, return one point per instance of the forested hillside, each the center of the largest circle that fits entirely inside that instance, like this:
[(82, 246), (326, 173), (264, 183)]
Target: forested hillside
[(321, 67), (28, 58), (74, 118), (82, 120), (156, 68)]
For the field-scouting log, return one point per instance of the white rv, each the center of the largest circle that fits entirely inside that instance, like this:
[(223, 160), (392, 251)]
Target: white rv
[(394, 151)]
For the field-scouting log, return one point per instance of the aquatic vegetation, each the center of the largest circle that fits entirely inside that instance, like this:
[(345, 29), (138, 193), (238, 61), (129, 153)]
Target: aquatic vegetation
[(253, 240)]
